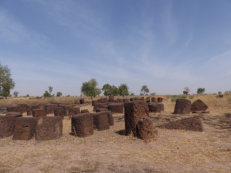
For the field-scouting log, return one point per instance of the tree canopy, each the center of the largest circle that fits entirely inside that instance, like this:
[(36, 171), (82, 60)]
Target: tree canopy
[(6, 82), (90, 88), (123, 90), (144, 90)]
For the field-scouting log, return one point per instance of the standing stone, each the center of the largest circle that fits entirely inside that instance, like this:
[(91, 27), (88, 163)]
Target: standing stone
[(82, 125), (39, 113), (182, 106), (60, 111), (49, 128), (146, 130), (24, 128), (134, 111), (101, 121), (116, 107), (7, 124), (198, 105), (73, 111)]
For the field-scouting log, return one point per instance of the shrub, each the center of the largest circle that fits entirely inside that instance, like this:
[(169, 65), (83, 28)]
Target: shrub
[(191, 97)]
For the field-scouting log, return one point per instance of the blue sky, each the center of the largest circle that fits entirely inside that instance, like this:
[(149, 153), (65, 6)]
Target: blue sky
[(164, 44)]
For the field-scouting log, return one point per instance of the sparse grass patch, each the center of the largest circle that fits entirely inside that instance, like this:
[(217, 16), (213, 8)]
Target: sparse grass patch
[(175, 97), (191, 97), (229, 99)]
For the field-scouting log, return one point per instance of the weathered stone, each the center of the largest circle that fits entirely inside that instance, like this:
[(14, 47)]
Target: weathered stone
[(182, 106), (192, 123), (49, 128), (198, 105), (38, 113), (73, 111), (7, 124), (50, 108), (24, 128), (156, 107), (116, 107), (134, 111), (60, 111), (100, 121), (85, 111), (82, 125), (146, 130)]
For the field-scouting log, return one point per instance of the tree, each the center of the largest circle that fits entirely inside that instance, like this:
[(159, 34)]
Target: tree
[(144, 90), (15, 93), (49, 92), (186, 90), (90, 88), (50, 89), (59, 94), (110, 90), (6, 82), (107, 90), (200, 90), (123, 90), (115, 90)]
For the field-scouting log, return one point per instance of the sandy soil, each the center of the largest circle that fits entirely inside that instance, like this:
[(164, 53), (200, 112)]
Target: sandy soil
[(111, 151)]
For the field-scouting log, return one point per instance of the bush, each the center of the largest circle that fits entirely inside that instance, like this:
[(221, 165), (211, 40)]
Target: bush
[(175, 97), (191, 97)]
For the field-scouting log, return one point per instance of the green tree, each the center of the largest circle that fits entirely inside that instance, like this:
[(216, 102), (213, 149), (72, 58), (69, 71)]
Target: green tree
[(123, 90), (200, 90), (110, 90), (115, 90), (49, 92), (15, 93), (59, 94), (186, 91), (6, 82), (144, 90), (90, 88), (107, 90)]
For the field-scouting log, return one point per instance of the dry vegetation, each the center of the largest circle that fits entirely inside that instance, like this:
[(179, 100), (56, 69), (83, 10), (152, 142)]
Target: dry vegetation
[(110, 151)]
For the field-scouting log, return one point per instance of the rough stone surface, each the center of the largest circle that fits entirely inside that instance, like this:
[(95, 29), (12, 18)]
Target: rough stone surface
[(156, 107), (7, 124), (182, 106), (14, 109), (38, 113), (50, 108), (100, 105), (82, 125), (146, 130), (116, 107), (101, 121), (73, 111), (22, 107), (198, 105), (192, 123), (24, 128), (60, 111), (134, 111), (49, 128)]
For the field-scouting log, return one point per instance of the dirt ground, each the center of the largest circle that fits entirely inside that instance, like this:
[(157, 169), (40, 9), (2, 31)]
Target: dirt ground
[(111, 151)]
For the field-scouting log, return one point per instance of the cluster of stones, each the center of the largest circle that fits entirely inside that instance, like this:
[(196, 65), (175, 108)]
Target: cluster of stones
[(83, 124), (138, 122), (117, 106), (39, 125), (184, 106)]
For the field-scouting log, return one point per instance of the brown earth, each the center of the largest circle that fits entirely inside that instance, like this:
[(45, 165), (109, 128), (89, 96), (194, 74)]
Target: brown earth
[(111, 151)]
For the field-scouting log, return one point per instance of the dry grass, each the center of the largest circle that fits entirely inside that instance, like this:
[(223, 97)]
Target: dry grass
[(107, 151)]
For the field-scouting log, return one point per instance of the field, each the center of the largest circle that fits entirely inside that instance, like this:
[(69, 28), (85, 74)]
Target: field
[(111, 151)]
